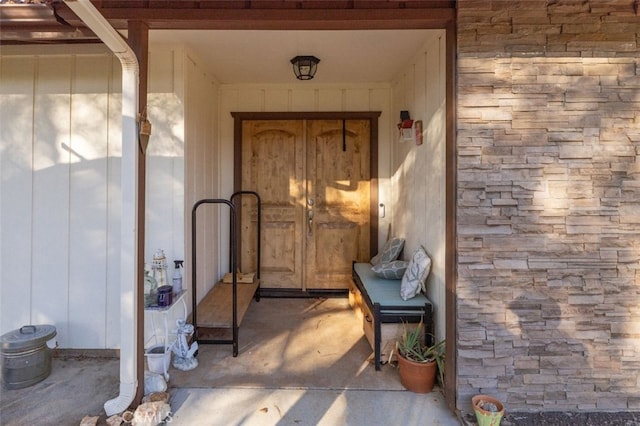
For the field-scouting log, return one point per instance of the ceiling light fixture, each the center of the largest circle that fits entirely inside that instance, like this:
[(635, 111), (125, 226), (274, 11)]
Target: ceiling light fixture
[(304, 67)]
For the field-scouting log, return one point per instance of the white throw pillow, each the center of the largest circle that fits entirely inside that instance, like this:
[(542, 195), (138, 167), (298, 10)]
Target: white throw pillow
[(390, 251), (391, 270), (414, 278)]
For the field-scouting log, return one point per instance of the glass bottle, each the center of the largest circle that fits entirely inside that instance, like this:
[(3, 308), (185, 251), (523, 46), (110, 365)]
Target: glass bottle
[(150, 289)]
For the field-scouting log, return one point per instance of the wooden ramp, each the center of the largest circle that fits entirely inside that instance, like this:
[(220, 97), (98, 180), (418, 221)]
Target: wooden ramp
[(215, 310)]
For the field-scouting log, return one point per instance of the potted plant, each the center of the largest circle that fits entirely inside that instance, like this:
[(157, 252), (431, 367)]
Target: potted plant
[(489, 410), (418, 364)]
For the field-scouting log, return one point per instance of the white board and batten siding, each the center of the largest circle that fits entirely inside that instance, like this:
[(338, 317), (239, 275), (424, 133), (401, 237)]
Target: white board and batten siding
[(57, 183), (418, 180), (60, 205), (202, 174)]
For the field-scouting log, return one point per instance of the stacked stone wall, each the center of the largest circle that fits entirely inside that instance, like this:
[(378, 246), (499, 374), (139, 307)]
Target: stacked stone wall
[(548, 181)]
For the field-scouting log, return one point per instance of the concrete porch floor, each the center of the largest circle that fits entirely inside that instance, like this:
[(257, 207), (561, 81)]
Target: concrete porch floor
[(301, 362)]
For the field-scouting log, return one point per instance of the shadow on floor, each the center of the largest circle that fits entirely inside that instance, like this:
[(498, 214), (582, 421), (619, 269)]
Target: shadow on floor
[(301, 362)]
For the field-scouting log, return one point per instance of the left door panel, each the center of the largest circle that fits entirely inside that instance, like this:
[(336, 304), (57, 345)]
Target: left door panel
[(273, 153)]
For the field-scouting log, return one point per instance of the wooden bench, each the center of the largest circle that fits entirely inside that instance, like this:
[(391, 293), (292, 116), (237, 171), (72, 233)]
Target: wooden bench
[(382, 304)]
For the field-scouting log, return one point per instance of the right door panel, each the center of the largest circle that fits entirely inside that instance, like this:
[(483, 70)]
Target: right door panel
[(338, 183)]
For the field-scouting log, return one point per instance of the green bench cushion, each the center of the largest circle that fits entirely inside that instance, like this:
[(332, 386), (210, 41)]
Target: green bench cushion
[(383, 291)]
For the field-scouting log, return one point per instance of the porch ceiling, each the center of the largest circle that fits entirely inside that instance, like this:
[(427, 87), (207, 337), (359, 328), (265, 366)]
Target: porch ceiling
[(262, 56), (253, 41)]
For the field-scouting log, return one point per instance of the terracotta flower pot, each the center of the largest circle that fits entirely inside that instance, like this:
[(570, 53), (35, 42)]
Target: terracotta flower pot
[(417, 377), (484, 415)]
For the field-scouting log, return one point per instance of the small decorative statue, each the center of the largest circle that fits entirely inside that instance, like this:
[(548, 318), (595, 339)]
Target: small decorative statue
[(184, 359)]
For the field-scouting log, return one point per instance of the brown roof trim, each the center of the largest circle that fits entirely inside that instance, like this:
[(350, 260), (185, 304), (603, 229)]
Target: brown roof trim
[(40, 23), (53, 21), (291, 19)]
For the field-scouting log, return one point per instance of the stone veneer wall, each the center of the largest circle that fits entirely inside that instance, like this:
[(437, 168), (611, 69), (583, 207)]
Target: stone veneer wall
[(548, 118)]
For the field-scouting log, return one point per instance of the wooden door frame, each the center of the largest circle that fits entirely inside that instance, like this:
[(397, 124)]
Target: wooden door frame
[(371, 116)]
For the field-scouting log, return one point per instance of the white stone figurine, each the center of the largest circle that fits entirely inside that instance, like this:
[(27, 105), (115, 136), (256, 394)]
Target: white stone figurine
[(184, 359), (154, 382)]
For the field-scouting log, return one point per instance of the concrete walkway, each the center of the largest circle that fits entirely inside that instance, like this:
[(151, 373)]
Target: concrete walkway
[(301, 362), (308, 407), (78, 387)]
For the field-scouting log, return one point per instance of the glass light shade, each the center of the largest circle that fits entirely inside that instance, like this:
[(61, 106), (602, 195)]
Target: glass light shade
[(304, 67)]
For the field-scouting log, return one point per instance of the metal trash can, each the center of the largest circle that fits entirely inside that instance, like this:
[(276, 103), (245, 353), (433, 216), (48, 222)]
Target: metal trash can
[(26, 358)]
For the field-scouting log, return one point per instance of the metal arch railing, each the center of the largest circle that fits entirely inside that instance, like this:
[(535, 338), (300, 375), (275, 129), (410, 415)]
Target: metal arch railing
[(233, 262)]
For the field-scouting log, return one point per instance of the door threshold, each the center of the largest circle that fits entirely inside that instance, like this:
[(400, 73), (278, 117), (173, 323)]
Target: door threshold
[(293, 293)]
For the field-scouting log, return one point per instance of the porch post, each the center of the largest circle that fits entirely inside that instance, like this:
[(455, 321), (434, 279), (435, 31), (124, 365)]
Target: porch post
[(138, 40), (451, 369)]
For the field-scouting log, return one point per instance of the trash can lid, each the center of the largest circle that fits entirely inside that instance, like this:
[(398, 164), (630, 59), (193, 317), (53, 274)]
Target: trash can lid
[(27, 336)]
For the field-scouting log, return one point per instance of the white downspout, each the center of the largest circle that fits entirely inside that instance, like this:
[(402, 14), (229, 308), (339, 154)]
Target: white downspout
[(129, 187)]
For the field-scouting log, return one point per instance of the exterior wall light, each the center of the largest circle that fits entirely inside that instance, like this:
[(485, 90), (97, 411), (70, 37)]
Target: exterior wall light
[(304, 67)]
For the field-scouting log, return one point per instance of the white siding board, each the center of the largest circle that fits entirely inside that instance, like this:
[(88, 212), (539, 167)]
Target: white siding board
[(379, 100), (52, 154), (435, 139), (421, 74), (250, 99), (229, 102), (164, 180), (421, 173), (356, 99), (304, 100), (88, 203), (167, 183), (16, 126), (160, 200), (190, 190), (418, 181), (194, 136), (330, 100), (162, 66), (180, 210), (212, 242), (277, 100), (201, 99), (164, 111)]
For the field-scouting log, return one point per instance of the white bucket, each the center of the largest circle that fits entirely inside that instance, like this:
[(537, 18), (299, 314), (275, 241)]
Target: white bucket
[(158, 359)]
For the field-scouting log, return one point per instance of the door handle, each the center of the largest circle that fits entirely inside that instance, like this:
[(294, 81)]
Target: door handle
[(310, 221)]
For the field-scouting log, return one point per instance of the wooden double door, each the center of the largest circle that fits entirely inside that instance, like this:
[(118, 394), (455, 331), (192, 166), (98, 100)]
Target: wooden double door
[(314, 179)]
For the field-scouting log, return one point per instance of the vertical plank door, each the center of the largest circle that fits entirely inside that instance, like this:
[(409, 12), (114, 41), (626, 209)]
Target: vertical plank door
[(314, 181), (273, 166), (338, 191)]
